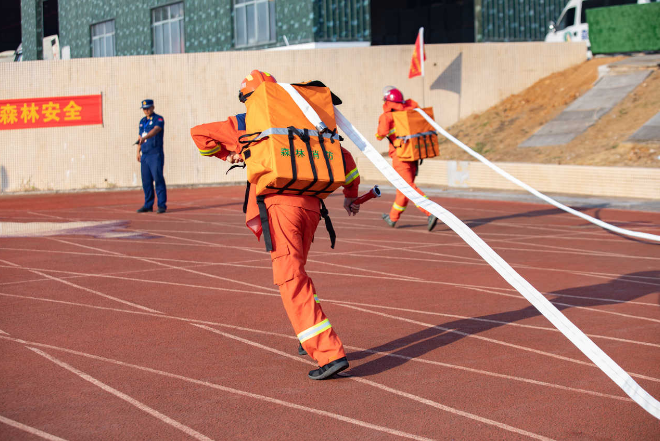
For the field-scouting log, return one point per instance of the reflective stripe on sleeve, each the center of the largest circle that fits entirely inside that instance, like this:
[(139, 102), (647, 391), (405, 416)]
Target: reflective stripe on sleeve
[(211, 151), (398, 207), (314, 330), (316, 299), (350, 176)]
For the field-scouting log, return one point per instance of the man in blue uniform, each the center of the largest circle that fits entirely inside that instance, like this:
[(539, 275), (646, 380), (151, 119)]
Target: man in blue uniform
[(152, 158)]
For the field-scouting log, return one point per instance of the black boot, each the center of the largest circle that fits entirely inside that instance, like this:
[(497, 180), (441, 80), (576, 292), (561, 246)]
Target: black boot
[(432, 222), (328, 370), (301, 350), (390, 222)]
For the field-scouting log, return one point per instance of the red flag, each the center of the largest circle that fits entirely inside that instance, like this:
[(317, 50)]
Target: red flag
[(417, 63)]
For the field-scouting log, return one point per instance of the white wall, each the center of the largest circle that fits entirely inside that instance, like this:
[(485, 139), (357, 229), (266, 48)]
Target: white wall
[(191, 89)]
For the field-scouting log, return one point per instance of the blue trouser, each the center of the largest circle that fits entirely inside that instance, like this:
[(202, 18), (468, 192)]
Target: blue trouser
[(152, 171)]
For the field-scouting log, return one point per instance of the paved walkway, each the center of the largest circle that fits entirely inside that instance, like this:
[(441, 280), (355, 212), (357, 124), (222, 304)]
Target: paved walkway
[(649, 131), (586, 110)]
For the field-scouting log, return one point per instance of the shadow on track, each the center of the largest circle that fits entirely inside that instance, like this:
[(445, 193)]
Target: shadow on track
[(427, 340)]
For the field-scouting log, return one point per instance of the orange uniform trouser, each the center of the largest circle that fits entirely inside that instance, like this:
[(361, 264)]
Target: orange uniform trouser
[(407, 171), (292, 232)]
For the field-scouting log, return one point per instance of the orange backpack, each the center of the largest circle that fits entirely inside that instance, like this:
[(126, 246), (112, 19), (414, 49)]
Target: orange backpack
[(285, 153), (415, 137)]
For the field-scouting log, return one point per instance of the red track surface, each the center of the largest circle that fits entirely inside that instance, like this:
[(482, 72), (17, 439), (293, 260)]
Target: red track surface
[(181, 334)]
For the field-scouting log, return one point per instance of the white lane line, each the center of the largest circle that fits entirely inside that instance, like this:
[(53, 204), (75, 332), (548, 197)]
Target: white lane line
[(77, 253), (553, 301), (213, 276), (490, 340), (142, 259), (161, 282), (3, 332), (389, 274), (560, 249), (479, 319), (85, 246), (126, 302), (604, 311), (182, 219), (150, 260), (413, 249), (533, 248), (209, 233), (229, 390), (342, 302), (317, 272), (456, 367), (606, 276), (259, 250), (28, 429), (76, 275), (143, 407), (483, 289), (400, 393), (287, 336)]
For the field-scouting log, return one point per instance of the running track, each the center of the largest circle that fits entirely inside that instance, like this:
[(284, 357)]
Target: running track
[(177, 331)]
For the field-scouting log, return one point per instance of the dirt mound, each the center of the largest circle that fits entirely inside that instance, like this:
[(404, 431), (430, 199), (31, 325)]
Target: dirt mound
[(497, 132)]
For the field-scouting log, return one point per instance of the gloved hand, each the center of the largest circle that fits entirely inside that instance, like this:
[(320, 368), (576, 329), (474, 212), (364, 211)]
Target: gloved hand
[(350, 207)]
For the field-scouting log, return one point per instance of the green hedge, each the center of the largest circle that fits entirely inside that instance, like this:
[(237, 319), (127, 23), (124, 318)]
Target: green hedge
[(629, 28)]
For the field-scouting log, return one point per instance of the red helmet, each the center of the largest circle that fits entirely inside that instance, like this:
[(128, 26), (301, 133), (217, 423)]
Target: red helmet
[(392, 94), (250, 83)]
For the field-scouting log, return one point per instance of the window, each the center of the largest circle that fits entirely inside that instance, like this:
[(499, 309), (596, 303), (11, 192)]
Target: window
[(167, 29), (254, 22), (568, 19), (103, 39)]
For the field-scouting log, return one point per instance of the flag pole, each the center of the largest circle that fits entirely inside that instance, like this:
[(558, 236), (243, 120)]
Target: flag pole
[(422, 56)]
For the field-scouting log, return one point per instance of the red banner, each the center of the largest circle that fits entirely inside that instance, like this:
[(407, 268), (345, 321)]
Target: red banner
[(417, 62), (61, 111)]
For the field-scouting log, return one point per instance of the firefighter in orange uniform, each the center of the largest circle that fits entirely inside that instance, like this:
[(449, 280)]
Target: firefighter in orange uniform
[(292, 222), (394, 102)]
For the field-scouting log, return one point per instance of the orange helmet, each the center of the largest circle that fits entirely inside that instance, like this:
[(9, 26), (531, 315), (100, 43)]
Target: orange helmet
[(250, 83)]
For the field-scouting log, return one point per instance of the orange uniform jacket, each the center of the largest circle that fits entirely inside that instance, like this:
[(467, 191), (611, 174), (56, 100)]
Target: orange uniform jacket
[(386, 124), (292, 231), (220, 138), (406, 169)]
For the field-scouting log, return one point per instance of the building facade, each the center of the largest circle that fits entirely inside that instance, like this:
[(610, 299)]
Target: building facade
[(92, 28), (89, 28), (515, 20)]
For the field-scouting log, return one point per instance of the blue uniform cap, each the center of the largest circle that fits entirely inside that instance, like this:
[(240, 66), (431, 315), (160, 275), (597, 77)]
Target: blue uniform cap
[(147, 103)]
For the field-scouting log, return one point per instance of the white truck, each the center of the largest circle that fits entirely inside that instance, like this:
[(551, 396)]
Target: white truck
[(572, 23)]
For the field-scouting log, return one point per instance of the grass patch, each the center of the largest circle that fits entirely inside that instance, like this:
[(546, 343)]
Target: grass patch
[(479, 147)]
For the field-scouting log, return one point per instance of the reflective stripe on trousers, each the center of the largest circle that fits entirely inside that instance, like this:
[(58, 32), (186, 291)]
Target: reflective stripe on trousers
[(314, 330)]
